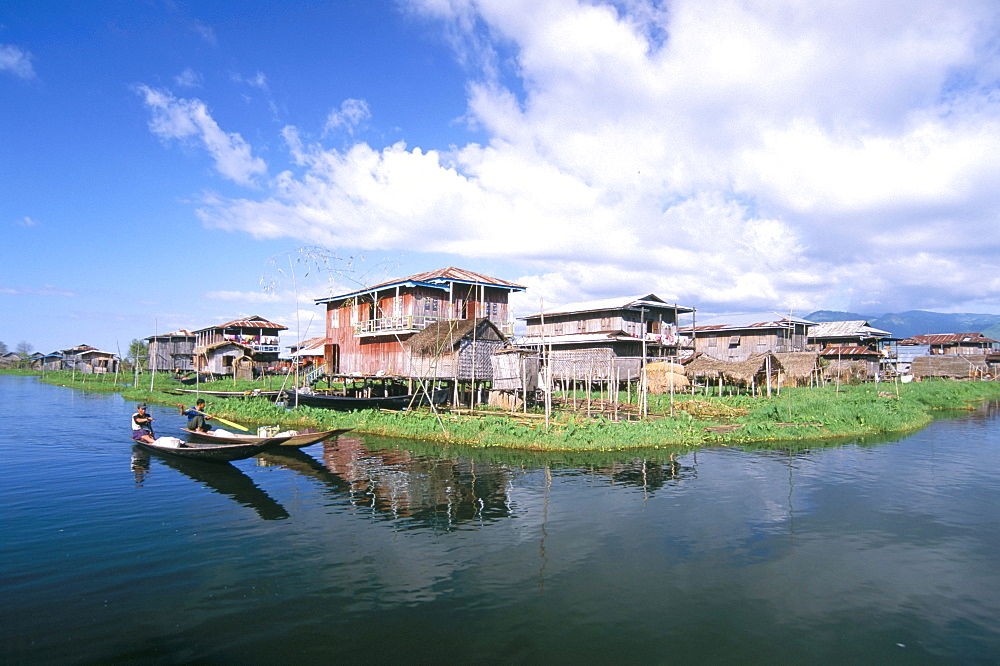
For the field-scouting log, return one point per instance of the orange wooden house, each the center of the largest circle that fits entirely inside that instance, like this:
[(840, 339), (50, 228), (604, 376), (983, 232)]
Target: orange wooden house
[(366, 330)]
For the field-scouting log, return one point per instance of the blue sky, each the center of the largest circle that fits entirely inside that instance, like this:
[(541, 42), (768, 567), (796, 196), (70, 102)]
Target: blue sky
[(158, 159)]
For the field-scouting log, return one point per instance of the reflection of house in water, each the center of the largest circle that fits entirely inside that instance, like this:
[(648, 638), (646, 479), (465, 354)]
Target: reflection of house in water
[(431, 493), (447, 493), (648, 474)]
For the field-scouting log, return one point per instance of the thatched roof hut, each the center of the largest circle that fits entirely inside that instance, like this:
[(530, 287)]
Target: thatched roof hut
[(704, 367), (752, 371), (459, 349), (798, 368), (954, 366)]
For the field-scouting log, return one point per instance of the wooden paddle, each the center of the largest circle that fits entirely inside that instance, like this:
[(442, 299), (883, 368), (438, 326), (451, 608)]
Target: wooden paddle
[(222, 420)]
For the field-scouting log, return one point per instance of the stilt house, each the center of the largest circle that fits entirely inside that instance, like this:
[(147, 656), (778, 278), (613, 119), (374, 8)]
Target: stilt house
[(309, 351), (366, 330), (242, 347), (88, 360), (853, 333), (9, 359), (171, 352), (738, 337), (952, 343), (852, 349), (605, 339), (460, 350)]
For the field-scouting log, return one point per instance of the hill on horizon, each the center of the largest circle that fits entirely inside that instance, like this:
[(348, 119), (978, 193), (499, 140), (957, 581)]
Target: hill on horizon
[(919, 322)]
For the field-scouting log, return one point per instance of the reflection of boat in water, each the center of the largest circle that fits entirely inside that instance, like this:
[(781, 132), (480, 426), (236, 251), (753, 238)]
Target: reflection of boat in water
[(348, 403), (302, 463), (290, 438), (222, 478), (173, 446)]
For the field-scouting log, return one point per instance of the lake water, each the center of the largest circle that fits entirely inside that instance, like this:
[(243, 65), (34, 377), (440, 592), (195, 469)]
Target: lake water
[(370, 550)]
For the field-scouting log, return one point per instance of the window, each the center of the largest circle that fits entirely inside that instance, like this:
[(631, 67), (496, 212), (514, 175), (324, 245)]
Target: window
[(734, 341)]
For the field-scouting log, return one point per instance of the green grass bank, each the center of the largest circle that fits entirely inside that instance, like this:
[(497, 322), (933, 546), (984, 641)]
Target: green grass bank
[(804, 415)]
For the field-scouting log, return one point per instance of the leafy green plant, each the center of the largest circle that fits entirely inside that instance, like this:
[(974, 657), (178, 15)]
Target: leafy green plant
[(799, 415)]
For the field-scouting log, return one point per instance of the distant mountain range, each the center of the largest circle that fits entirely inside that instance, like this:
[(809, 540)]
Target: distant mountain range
[(919, 322)]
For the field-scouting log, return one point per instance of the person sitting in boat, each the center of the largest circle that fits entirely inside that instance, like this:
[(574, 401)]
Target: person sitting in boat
[(142, 425), (196, 416)]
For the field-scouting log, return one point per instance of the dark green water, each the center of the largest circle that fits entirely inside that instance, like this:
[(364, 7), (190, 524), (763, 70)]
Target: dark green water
[(367, 550)]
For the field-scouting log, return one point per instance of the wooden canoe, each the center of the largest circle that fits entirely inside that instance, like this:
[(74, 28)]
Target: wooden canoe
[(346, 403), (297, 441), (211, 452), (229, 394)]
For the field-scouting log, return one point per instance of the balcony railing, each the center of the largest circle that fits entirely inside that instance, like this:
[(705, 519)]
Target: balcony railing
[(265, 344), (410, 324)]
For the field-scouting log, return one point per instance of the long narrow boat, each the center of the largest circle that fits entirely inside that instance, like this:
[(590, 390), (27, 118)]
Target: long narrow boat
[(346, 403), (297, 440), (213, 452), (256, 393)]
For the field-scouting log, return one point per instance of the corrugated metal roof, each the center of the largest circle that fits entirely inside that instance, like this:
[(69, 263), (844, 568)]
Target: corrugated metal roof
[(452, 274), (616, 303), (846, 329), (439, 278), (749, 320), (179, 333), (849, 350), (947, 338), (575, 338), (309, 344), (249, 322)]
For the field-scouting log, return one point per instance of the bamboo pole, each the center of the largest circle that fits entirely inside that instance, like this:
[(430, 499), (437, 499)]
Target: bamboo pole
[(152, 374), (548, 367)]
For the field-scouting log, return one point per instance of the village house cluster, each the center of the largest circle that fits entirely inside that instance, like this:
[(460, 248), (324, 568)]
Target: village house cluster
[(456, 325)]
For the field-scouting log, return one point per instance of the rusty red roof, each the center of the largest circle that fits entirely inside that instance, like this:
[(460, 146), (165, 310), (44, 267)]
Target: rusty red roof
[(452, 274), (948, 339), (438, 278), (747, 321), (249, 322)]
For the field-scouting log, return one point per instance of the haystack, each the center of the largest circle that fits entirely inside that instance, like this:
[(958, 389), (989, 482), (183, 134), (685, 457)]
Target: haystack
[(846, 371), (662, 377)]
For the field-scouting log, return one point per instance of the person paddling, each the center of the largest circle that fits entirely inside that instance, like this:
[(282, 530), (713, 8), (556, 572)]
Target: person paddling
[(196, 416), (142, 425)]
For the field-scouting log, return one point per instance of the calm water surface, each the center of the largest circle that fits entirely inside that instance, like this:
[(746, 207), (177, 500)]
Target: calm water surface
[(386, 551)]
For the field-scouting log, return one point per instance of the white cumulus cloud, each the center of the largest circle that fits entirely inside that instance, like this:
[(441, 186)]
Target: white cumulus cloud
[(351, 116), (730, 155), (17, 61), (175, 118)]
